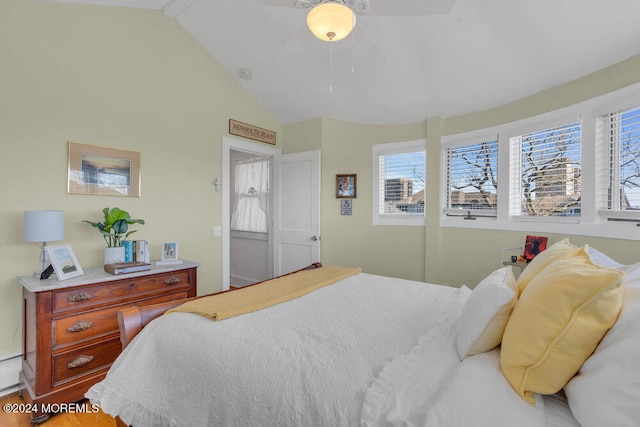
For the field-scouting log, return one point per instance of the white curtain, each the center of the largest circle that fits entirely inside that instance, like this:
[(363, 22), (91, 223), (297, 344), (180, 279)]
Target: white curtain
[(251, 187)]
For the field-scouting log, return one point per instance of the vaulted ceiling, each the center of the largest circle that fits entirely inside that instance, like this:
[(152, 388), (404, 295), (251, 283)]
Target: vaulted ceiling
[(464, 56)]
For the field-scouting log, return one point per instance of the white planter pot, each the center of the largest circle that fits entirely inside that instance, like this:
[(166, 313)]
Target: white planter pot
[(113, 255)]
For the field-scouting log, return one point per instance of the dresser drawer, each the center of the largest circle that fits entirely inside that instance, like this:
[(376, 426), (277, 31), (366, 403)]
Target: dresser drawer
[(92, 324), (87, 359), (112, 292)]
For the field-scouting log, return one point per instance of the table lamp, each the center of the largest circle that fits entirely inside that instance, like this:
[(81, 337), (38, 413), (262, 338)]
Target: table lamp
[(43, 226)]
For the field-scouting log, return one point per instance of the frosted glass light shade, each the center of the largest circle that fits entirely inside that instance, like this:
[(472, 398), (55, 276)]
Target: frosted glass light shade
[(43, 226), (331, 21)]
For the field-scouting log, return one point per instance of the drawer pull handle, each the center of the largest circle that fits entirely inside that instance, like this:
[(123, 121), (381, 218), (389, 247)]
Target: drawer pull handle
[(80, 326), (80, 297), (80, 361), (172, 280)]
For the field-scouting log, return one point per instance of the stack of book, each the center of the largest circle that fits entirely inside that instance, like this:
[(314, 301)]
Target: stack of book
[(126, 267), (136, 251)]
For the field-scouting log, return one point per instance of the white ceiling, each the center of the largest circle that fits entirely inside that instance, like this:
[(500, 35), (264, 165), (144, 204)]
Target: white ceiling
[(404, 69)]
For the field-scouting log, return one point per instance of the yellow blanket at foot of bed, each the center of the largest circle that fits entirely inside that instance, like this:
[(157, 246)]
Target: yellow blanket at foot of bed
[(265, 294)]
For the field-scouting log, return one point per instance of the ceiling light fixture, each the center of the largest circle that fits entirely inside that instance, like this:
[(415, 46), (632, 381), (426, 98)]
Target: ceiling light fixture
[(331, 21)]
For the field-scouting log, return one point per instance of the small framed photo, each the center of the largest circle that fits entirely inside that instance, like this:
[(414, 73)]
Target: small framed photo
[(64, 261), (346, 186), (169, 251), (533, 245)]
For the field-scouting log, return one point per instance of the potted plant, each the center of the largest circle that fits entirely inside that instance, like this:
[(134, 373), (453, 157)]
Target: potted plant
[(115, 230)]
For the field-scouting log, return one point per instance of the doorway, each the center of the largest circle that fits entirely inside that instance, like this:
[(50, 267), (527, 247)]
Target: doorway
[(247, 209), (292, 213), (250, 178)]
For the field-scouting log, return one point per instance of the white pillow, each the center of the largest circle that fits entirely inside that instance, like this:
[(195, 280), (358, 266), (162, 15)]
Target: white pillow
[(604, 260), (485, 313), (607, 387)]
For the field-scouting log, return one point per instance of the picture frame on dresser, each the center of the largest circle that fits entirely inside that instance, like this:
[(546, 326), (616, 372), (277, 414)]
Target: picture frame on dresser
[(169, 251), (64, 261)]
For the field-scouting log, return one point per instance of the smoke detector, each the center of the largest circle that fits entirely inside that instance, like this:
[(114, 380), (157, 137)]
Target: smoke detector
[(244, 74)]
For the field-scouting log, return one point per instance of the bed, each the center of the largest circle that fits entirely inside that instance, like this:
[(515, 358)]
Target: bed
[(378, 351)]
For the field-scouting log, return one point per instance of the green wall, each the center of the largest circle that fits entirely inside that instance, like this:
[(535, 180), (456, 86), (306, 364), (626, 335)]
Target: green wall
[(453, 256), (469, 255), (352, 240), (122, 78)]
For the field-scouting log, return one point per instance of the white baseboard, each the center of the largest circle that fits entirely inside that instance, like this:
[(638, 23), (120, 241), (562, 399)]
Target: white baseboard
[(240, 281), (10, 368)]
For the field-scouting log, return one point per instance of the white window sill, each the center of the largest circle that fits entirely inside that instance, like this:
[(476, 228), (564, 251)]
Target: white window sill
[(608, 229), (408, 220)]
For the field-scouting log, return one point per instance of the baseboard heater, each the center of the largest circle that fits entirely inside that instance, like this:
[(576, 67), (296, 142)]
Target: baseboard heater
[(10, 374)]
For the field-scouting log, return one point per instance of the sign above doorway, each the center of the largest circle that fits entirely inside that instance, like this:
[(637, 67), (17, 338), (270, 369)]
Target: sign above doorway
[(252, 132)]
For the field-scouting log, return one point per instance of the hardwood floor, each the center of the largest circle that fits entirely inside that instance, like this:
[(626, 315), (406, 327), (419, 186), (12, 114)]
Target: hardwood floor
[(79, 419)]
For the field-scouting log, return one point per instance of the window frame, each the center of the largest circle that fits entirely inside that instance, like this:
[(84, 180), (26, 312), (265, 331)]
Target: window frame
[(378, 187), (593, 221), (514, 178), (453, 142), (602, 147)]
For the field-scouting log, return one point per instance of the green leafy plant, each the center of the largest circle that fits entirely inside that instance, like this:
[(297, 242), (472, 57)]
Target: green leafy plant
[(115, 228)]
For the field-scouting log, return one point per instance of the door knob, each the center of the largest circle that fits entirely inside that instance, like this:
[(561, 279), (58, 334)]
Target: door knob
[(315, 238)]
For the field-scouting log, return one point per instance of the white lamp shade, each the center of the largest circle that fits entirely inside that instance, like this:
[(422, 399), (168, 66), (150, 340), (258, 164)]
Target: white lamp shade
[(331, 21), (43, 226)]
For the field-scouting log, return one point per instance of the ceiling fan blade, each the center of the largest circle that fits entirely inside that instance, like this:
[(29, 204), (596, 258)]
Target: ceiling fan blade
[(296, 47), (337, 63), (377, 7), (301, 4), (410, 7)]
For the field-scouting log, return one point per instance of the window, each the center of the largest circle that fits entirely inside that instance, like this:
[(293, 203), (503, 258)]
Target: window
[(545, 172), (575, 170), (619, 134), (249, 198), (399, 183), (472, 179)]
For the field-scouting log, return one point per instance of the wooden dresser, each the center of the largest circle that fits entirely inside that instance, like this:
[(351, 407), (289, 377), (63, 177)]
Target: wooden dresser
[(71, 336)]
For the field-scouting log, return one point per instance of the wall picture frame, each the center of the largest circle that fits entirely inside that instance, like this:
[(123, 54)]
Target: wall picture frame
[(346, 186), (64, 261), (169, 252), (103, 171)]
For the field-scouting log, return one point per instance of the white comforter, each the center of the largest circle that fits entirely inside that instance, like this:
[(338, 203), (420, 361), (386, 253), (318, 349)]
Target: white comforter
[(367, 350), (429, 387)]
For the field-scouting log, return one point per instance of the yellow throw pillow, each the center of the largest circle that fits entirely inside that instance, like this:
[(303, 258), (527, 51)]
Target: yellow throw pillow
[(543, 259), (558, 322)]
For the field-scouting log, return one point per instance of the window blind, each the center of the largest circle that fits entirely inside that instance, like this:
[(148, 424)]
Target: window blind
[(545, 172), (622, 133), (472, 179), (401, 183)]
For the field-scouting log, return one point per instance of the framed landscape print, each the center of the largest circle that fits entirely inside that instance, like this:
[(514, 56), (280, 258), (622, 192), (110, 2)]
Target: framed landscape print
[(103, 171), (63, 261)]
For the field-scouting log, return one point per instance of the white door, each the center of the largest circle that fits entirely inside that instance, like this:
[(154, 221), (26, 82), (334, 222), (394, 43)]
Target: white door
[(297, 211)]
